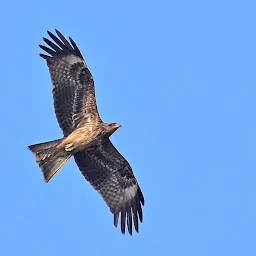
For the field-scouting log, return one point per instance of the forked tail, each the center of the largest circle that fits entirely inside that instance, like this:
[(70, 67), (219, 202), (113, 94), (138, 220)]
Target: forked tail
[(49, 157)]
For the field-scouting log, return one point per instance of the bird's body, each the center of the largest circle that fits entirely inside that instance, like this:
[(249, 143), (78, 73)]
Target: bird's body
[(86, 136)]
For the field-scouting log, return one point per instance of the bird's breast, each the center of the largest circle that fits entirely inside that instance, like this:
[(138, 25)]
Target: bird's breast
[(82, 138)]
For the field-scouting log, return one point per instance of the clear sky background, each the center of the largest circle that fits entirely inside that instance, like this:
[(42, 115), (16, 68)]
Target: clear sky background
[(180, 78)]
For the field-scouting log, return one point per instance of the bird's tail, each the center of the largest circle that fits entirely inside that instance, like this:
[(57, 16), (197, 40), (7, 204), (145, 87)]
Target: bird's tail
[(49, 157)]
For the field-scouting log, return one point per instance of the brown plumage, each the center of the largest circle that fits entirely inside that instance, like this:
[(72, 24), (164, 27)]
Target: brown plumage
[(86, 137)]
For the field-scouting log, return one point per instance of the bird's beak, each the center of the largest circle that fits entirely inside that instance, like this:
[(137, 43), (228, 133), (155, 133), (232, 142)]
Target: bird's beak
[(119, 126)]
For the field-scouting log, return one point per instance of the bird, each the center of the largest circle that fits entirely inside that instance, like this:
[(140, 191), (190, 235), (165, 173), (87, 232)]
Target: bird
[(85, 136)]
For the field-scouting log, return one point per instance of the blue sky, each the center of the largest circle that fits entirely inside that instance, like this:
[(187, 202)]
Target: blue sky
[(180, 78)]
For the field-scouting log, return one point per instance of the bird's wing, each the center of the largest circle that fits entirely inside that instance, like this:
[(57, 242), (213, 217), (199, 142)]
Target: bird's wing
[(111, 175), (73, 85)]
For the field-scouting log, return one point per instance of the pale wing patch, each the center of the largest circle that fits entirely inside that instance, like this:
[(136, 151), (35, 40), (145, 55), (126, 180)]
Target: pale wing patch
[(129, 193), (72, 59)]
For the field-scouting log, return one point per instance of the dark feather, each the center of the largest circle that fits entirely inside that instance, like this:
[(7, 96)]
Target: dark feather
[(116, 216), (129, 220), (48, 50), (73, 85), (135, 216), (64, 40), (51, 44), (44, 56), (76, 48), (139, 210), (111, 175), (57, 40), (123, 220)]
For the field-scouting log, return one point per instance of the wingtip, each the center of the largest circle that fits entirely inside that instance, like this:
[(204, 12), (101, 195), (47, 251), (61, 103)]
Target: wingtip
[(141, 197), (49, 32), (46, 40), (140, 216), (123, 221), (58, 32), (44, 56), (129, 221), (116, 216)]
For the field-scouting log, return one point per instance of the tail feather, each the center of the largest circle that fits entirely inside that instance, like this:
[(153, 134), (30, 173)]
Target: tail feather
[(49, 158)]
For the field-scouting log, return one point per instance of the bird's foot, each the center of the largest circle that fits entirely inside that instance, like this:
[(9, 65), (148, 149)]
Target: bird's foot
[(69, 147)]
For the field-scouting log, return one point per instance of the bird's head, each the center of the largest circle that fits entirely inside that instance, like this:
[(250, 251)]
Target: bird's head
[(111, 127)]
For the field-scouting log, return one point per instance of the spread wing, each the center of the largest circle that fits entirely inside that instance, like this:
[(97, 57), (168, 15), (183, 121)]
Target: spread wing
[(73, 85), (111, 175)]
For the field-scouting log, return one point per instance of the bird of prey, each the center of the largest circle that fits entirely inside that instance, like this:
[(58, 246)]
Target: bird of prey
[(86, 136)]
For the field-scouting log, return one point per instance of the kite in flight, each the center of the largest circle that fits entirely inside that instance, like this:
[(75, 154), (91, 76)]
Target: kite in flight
[(86, 136)]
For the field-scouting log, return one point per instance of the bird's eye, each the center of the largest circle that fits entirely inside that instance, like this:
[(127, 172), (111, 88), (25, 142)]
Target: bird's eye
[(112, 124)]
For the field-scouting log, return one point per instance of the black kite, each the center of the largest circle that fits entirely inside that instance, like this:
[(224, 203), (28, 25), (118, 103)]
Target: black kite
[(86, 137)]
